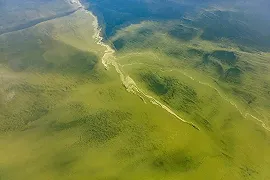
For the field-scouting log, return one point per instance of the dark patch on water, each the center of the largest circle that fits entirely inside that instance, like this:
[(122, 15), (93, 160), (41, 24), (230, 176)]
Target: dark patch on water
[(205, 58), (98, 127), (226, 57), (79, 63), (176, 94), (118, 43), (179, 161), (183, 33), (233, 75), (202, 122), (248, 97), (247, 172), (222, 62), (157, 84)]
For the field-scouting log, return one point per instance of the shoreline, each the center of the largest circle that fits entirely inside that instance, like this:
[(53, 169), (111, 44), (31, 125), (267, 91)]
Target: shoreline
[(130, 85)]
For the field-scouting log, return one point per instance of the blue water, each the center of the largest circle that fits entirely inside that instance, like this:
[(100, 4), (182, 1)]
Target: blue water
[(118, 13), (215, 25)]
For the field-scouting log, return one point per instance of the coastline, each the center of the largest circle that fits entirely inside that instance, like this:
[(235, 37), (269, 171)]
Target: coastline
[(130, 85)]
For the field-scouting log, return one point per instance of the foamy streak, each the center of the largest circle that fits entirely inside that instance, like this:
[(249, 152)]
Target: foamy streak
[(109, 59), (76, 2), (245, 115)]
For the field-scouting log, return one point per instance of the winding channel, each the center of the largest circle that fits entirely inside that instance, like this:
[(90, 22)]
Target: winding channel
[(109, 59), (130, 85)]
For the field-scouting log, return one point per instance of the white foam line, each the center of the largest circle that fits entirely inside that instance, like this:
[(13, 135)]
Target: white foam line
[(123, 65), (245, 115), (109, 59), (130, 54)]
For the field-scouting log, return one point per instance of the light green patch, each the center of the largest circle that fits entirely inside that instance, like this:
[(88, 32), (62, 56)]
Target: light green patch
[(65, 117)]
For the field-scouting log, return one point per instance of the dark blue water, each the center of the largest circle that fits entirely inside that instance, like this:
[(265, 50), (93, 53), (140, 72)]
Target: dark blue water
[(118, 13)]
